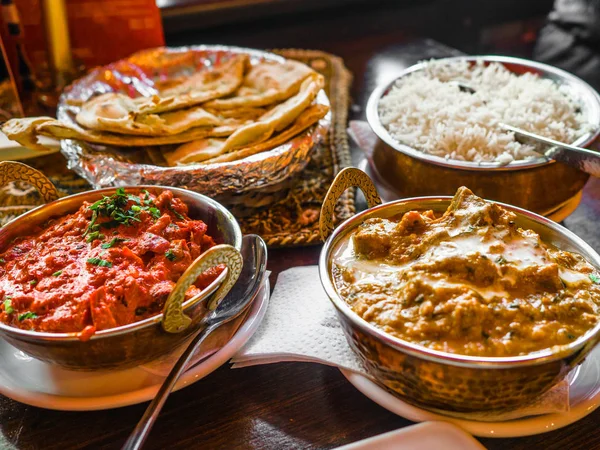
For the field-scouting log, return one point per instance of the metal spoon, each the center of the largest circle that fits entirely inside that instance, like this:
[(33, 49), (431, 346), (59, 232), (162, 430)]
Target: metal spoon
[(254, 251), (581, 158)]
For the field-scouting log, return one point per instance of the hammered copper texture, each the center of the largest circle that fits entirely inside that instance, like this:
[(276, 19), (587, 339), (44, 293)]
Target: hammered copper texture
[(541, 189), (448, 388), (438, 381), (133, 344)]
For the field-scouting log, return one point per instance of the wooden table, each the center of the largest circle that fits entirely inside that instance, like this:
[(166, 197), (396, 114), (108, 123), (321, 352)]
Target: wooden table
[(292, 405)]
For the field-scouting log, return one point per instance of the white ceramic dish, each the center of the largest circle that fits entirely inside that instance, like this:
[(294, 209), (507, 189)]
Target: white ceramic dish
[(424, 436), (36, 383), (584, 398)]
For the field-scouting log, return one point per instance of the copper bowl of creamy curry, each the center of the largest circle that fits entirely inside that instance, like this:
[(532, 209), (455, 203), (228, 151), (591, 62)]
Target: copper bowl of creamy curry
[(115, 277), (460, 305)]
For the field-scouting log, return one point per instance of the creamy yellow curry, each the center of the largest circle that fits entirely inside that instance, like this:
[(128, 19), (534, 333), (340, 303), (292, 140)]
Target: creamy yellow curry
[(469, 282)]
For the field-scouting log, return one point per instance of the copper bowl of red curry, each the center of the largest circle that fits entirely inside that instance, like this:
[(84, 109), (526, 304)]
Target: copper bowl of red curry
[(451, 383), (133, 343)]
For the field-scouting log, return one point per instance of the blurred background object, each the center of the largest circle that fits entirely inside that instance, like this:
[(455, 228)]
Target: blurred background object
[(49, 43), (571, 39)]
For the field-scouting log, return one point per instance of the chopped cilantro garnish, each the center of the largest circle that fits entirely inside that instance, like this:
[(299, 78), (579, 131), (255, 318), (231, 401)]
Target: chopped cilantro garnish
[(177, 214), (2, 261), (8, 309), (27, 315), (501, 260), (147, 199), (33, 282), (154, 212), (58, 273), (93, 236), (115, 208), (92, 221), (134, 199), (114, 241), (170, 255), (595, 278), (99, 262)]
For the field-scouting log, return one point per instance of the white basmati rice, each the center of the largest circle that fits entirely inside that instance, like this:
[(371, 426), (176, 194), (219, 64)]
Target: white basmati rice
[(424, 111)]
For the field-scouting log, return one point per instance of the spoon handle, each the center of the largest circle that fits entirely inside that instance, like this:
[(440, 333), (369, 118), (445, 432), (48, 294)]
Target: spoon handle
[(140, 433), (580, 158)]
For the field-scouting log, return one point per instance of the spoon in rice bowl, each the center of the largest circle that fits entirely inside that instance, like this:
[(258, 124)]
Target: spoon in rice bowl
[(581, 158)]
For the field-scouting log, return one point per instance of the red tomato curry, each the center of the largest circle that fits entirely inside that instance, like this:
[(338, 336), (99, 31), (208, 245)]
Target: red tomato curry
[(112, 263)]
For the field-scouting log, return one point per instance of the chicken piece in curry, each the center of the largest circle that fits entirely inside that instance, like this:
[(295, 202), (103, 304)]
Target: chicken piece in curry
[(469, 282)]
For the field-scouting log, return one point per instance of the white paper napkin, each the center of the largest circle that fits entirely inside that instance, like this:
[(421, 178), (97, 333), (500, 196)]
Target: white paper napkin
[(301, 325)]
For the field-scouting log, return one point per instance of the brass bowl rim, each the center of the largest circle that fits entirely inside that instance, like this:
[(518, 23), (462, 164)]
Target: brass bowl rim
[(31, 335), (555, 73), (419, 351)]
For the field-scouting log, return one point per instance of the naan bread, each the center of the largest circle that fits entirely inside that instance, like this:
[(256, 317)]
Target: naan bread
[(117, 113), (209, 151), (267, 82), (240, 114), (210, 110), (26, 131), (195, 151), (308, 118), (199, 88), (278, 118)]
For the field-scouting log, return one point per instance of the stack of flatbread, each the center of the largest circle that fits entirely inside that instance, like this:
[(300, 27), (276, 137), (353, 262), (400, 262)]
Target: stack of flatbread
[(227, 113)]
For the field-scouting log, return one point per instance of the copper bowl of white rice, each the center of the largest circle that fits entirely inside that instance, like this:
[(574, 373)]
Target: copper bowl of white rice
[(435, 135)]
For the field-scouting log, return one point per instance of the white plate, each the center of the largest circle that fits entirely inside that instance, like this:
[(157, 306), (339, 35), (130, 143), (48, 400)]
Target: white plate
[(36, 383), (584, 397), (11, 150), (424, 436)]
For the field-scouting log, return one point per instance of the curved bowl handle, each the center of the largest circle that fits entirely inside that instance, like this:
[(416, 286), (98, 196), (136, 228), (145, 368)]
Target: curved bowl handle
[(174, 320), (16, 171), (348, 177)]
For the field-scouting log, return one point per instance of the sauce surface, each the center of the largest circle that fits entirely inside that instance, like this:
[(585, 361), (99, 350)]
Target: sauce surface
[(109, 264), (469, 282)]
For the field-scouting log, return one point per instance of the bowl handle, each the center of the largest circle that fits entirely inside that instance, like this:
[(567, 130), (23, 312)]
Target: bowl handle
[(174, 320), (348, 177), (16, 171)]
